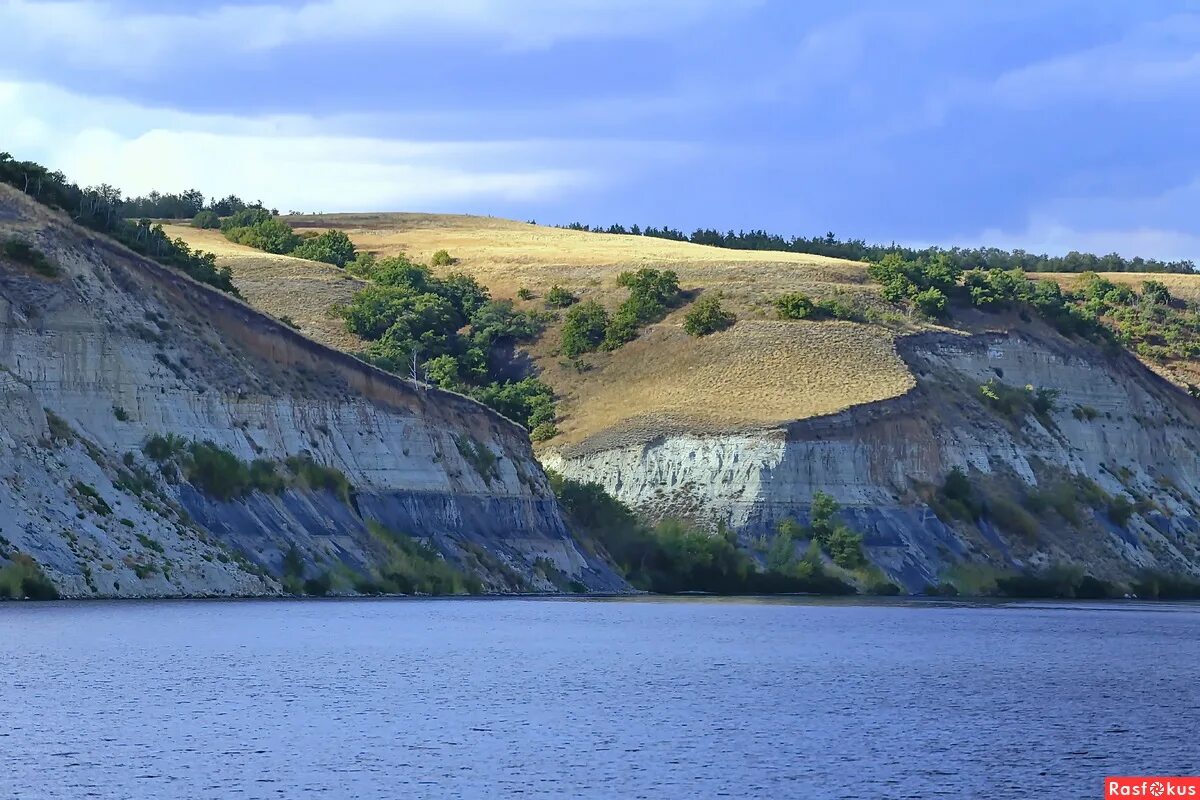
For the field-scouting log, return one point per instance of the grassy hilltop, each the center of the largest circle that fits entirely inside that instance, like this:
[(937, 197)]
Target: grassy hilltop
[(762, 370)]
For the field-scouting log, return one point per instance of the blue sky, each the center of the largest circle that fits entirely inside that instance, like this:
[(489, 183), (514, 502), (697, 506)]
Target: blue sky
[(1043, 125)]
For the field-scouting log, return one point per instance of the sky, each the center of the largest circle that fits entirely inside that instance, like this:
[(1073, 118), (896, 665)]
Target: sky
[(1049, 125)]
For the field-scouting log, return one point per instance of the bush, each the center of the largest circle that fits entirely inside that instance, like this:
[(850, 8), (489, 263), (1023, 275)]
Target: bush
[(1120, 510), (706, 316), (25, 253), (931, 302), (206, 219), (1011, 517), (23, 578), (584, 328), (794, 305), (216, 472), (524, 294), (957, 497), (330, 247), (528, 401), (479, 456), (543, 432), (441, 259), (675, 557), (558, 297), (317, 477), (412, 567)]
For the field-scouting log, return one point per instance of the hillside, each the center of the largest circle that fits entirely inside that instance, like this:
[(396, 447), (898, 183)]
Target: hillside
[(1092, 467), (163, 438), (761, 372)]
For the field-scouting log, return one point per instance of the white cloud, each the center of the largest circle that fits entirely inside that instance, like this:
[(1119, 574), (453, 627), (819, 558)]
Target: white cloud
[(297, 162), (98, 34)]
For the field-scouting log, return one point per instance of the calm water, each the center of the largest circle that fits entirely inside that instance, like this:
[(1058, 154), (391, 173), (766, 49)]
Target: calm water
[(559, 698)]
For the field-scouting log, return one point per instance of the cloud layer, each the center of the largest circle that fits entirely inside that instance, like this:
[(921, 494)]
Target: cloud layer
[(1055, 126)]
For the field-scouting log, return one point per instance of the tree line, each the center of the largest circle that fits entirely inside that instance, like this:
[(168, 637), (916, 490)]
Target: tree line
[(963, 258), (182, 205), (102, 208)]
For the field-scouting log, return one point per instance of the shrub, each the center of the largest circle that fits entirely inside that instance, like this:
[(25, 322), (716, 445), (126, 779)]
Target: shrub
[(833, 308), (543, 432), (793, 305), (413, 567), (267, 233), (706, 316), (22, 577), (314, 476), (25, 253), (206, 219), (957, 496), (1156, 293), (216, 472), (528, 401), (164, 448), (1011, 517), (584, 328), (930, 302), (524, 294), (479, 456), (330, 247), (558, 297), (652, 284), (441, 259), (676, 557), (1120, 510)]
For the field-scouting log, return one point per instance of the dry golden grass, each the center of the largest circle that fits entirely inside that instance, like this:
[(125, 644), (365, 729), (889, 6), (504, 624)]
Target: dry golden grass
[(757, 373), (760, 372), (507, 255), (283, 286)]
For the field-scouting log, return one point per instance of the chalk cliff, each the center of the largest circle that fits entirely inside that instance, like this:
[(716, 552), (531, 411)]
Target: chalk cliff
[(118, 349), (1114, 425)]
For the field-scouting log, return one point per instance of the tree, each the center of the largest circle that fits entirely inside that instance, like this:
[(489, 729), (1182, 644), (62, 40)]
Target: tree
[(206, 219), (706, 316), (584, 328), (331, 247)]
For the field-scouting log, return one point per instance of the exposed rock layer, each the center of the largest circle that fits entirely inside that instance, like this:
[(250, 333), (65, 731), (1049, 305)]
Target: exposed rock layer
[(1115, 423), (118, 349)]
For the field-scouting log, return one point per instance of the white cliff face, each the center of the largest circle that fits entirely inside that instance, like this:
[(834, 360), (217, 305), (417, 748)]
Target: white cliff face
[(120, 349), (1115, 423)]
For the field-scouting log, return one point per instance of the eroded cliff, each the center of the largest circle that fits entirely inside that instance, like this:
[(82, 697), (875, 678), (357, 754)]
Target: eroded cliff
[(1103, 473), (116, 350)]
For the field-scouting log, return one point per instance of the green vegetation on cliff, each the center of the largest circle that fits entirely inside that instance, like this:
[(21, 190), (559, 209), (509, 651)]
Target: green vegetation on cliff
[(100, 208), (673, 557)]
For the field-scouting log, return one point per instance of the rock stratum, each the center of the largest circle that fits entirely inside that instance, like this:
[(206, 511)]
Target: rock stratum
[(1117, 432), (744, 427), (117, 350)]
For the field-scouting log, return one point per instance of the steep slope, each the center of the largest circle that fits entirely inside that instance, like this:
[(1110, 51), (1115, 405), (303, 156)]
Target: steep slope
[(1117, 431), (744, 427), (116, 350)]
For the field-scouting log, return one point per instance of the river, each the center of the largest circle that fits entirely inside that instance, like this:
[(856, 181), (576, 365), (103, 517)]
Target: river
[(560, 698)]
